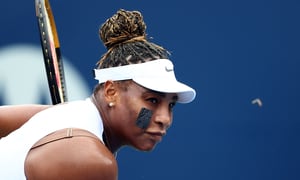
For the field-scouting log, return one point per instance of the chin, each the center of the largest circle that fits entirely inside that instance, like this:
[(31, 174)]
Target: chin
[(147, 147)]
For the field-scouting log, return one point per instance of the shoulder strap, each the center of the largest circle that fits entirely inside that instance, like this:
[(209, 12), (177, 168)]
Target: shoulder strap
[(63, 134)]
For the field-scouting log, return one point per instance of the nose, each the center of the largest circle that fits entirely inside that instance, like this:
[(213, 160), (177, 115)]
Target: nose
[(163, 119)]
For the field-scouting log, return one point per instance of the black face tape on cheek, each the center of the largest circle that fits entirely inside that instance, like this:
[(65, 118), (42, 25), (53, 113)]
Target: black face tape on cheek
[(144, 118)]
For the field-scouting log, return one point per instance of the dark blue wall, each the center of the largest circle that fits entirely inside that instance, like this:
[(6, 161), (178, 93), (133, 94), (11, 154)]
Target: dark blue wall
[(230, 51)]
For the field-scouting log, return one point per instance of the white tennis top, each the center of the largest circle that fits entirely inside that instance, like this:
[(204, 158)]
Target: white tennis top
[(14, 147)]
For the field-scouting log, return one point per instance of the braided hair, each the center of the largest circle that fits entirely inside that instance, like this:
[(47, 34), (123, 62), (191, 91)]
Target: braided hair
[(124, 37)]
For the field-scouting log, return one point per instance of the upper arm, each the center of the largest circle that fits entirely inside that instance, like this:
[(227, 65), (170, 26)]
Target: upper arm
[(14, 116), (77, 157)]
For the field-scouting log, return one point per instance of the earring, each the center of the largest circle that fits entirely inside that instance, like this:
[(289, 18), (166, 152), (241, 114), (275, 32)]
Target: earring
[(111, 104)]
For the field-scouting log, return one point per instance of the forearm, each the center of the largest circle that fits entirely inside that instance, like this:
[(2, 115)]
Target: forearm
[(14, 116)]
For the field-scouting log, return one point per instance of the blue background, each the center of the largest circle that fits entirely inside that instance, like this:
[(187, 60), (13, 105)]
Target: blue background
[(230, 51)]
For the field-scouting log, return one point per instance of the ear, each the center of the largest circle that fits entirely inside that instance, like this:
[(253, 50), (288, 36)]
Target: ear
[(110, 91)]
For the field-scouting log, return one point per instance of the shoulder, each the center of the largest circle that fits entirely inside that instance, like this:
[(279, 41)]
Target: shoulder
[(75, 110), (70, 154)]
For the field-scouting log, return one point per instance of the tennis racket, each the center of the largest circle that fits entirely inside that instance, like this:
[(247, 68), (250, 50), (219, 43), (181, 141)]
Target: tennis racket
[(51, 51)]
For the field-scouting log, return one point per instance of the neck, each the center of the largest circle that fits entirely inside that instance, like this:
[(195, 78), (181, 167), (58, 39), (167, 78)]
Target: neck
[(107, 135)]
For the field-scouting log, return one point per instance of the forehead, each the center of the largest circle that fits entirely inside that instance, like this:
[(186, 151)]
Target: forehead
[(146, 91)]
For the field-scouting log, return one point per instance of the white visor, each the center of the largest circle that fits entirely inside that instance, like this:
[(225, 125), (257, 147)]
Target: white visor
[(157, 75)]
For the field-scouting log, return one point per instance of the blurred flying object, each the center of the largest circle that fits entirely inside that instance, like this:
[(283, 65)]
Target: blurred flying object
[(257, 101)]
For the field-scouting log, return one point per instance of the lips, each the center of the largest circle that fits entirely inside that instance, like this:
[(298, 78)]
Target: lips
[(156, 136)]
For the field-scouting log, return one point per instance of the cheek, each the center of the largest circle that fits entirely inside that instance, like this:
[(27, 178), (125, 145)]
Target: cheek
[(129, 109), (144, 118)]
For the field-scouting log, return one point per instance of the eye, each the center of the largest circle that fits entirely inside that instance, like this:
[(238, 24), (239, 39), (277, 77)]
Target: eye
[(153, 100), (171, 105)]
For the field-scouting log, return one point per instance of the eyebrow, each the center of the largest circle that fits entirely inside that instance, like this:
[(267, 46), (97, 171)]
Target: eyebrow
[(161, 94)]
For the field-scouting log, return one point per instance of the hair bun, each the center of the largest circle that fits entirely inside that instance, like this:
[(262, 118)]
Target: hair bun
[(122, 26)]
